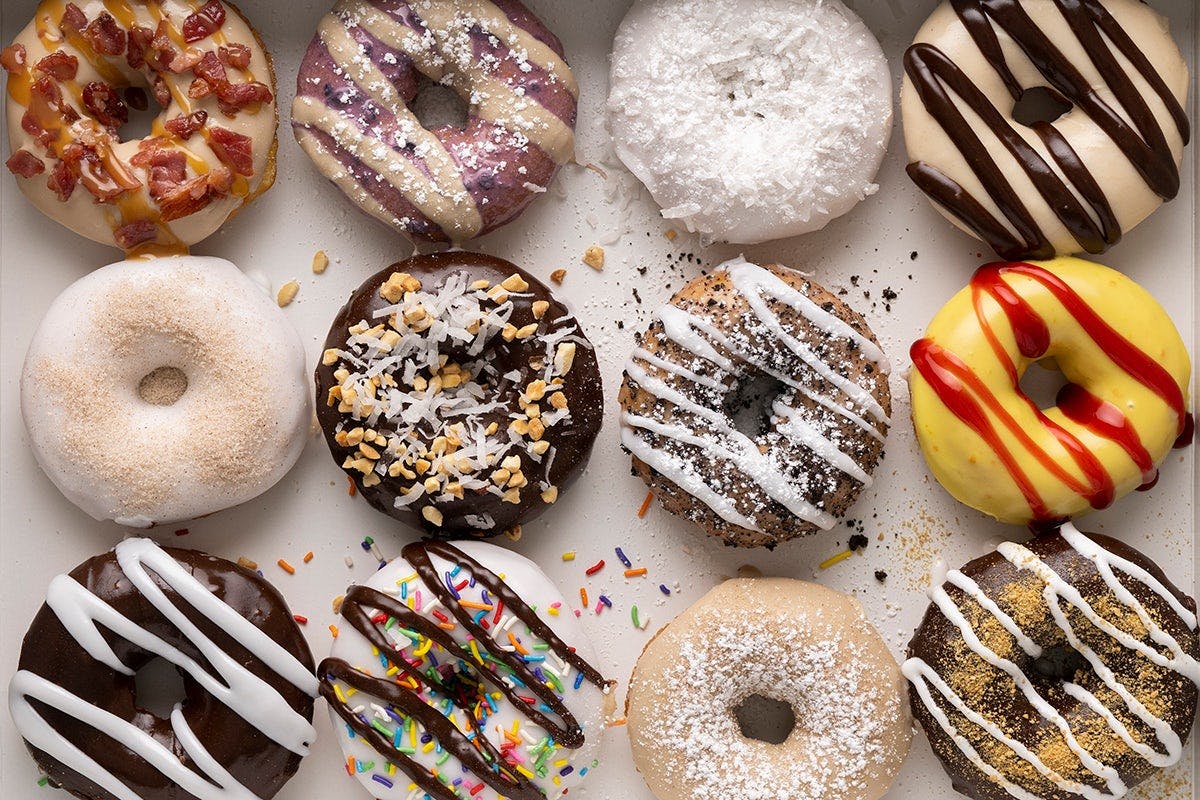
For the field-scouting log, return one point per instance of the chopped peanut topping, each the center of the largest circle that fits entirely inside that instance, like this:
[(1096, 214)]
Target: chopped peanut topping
[(432, 515), (550, 494), (540, 307), (515, 283), (329, 357), (564, 357)]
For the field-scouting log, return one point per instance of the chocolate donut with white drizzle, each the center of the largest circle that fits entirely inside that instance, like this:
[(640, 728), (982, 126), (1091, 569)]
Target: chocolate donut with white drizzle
[(824, 417), (1058, 669), (353, 111)]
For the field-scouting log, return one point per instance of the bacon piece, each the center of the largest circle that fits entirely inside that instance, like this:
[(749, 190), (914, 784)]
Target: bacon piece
[(186, 198), (204, 21), (139, 42), (186, 126), (13, 58), (46, 102), (104, 185), (105, 35), (232, 148), (220, 180), (162, 92), (135, 98), (73, 19), (161, 52), (131, 234), (233, 97), (62, 180), (199, 88), (210, 70), (105, 105), (30, 125), (185, 61), (25, 164), (235, 55), (59, 65)]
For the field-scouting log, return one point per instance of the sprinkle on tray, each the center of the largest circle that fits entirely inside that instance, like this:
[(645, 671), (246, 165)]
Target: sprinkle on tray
[(182, 532), (835, 559), (308, 556), (569, 555), (583, 596), (286, 567), (662, 587), (349, 562), (635, 573), (353, 490), (333, 631), (645, 505), (287, 293), (300, 618), (624, 559), (594, 568), (246, 563)]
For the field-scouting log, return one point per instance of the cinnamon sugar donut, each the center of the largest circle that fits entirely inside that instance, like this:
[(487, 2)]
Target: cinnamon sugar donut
[(762, 337), (795, 643), (75, 72)]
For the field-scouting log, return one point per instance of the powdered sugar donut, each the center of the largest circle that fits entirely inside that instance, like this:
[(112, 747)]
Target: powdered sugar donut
[(196, 395), (750, 120)]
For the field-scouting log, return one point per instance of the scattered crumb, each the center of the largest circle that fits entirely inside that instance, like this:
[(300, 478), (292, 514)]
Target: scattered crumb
[(558, 275), (881, 575), (320, 262), (594, 257), (671, 234), (287, 293)]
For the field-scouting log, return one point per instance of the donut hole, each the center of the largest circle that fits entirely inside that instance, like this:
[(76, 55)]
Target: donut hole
[(765, 719), (1042, 382), (158, 687), (749, 404), (1060, 663), (1039, 104), (141, 120), (438, 106), (163, 386)]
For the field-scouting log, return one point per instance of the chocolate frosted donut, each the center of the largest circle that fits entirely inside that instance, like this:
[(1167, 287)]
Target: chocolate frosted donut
[(1058, 669), (458, 393), (245, 721)]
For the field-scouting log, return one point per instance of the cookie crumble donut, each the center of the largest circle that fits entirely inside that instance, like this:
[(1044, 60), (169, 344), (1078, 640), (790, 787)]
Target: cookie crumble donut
[(75, 72), (823, 414), (459, 394), (761, 129), (484, 681), (1123, 409), (353, 112), (791, 642), (196, 392), (1062, 668), (245, 722), (1071, 185)]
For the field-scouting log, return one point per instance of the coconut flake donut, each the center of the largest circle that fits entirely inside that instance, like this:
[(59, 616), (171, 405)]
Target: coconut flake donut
[(1123, 408), (781, 641), (1047, 188), (75, 72), (750, 120), (353, 112), (196, 397), (1062, 668), (458, 671), (762, 342)]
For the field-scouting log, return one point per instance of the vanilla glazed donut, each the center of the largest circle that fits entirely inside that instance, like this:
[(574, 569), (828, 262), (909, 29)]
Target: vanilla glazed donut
[(1122, 410), (750, 120), (824, 411), (459, 394), (196, 397), (353, 112), (246, 719), (1059, 669), (75, 72), (458, 671), (781, 640), (1072, 185)]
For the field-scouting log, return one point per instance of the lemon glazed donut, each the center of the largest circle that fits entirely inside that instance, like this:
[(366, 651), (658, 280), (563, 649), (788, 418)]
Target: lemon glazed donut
[(1028, 187), (196, 395), (768, 644), (1123, 409), (750, 120), (74, 74), (353, 112), (458, 671), (1060, 669), (756, 404)]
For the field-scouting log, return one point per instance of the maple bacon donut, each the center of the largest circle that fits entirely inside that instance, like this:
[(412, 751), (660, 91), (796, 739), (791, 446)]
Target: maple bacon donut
[(1122, 410), (353, 112), (74, 74)]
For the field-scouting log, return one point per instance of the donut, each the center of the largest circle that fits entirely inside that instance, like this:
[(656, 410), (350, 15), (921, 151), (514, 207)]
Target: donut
[(1061, 668), (458, 394), (1035, 185), (1123, 408), (245, 721), (196, 397), (353, 112), (756, 404), (459, 672), (795, 644), (74, 74), (758, 130)]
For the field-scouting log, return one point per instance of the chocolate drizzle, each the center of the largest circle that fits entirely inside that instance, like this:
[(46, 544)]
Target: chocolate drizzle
[(1092, 222), (477, 754)]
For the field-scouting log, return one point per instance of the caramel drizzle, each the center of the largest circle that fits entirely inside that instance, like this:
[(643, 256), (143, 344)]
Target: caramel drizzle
[(489, 765), (1144, 144)]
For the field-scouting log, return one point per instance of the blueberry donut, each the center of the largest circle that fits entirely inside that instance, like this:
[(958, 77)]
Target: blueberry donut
[(353, 112)]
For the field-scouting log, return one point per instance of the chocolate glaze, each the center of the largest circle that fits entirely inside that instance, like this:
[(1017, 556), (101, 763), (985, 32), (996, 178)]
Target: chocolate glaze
[(487, 765), (570, 439), (934, 76), (250, 756), (939, 643)]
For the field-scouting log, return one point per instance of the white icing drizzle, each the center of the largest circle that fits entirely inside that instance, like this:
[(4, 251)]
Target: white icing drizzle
[(721, 439), (1056, 591), (82, 614)]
